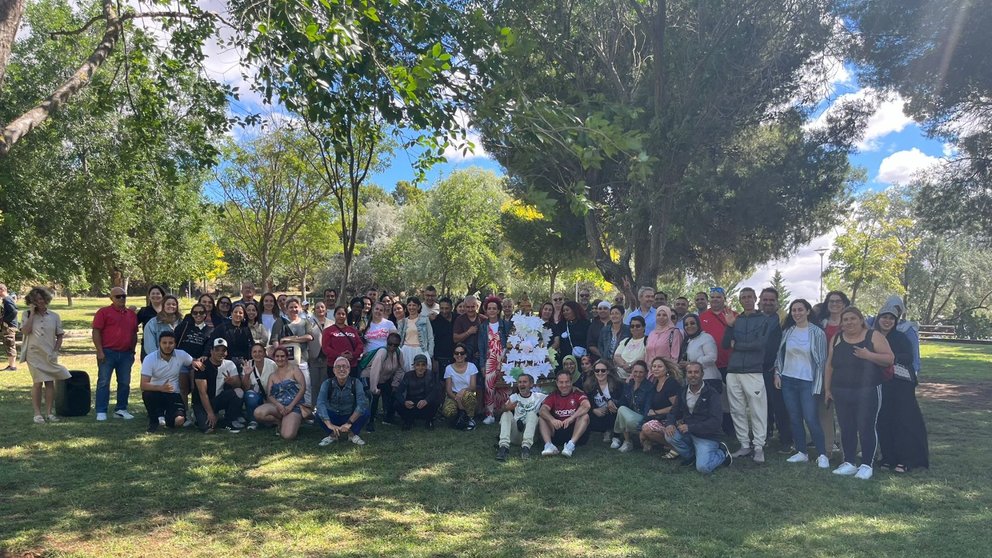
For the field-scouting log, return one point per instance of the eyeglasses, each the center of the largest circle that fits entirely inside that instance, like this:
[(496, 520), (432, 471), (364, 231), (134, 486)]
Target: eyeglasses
[(460, 353), (198, 312), (120, 296), (603, 370)]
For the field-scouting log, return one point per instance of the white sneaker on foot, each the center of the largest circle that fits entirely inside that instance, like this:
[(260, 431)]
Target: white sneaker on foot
[(845, 469), (549, 449), (823, 462), (759, 454), (189, 422), (123, 414), (53, 418), (326, 441), (161, 421), (489, 421), (101, 416), (741, 452), (627, 446), (569, 449), (606, 437), (616, 443), (799, 457), (357, 440), (864, 472)]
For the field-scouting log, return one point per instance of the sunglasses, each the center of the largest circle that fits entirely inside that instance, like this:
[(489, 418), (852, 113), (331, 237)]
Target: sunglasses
[(460, 353), (120, 296), (198, 312), (557, 299), (603, 370)]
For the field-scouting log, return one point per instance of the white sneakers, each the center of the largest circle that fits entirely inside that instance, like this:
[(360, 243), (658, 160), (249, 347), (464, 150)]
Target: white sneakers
[(161, 421), (326, 441), (549, 449), (741, 452), (489, 421), (627, 446), (759, 454), (101, 416), (38, 419), (122, 414), (864, 472), (799, 457), (616, 443), (845, 469), (355, 439), (823, 462), (569, 449)]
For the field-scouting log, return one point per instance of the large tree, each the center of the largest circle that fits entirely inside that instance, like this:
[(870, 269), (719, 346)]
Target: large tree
[(674, 129), (935, 54)]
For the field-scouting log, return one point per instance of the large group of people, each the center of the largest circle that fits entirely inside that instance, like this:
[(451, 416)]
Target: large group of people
[(654, 376)]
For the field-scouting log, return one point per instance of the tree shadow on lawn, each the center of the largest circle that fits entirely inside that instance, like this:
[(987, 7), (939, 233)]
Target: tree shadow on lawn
[(442, 493)]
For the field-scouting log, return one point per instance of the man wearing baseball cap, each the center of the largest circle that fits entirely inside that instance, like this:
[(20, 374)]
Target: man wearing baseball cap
[(219, 387)]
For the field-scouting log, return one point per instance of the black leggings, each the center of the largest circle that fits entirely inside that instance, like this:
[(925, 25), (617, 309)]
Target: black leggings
[(857, 412)]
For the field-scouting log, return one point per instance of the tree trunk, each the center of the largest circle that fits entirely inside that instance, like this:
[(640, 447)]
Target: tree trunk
[(554, 279), (68, 297), (10, 19), (346, 275)]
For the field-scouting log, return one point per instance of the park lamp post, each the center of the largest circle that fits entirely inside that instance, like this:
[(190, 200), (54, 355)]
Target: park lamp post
[(821, 252)]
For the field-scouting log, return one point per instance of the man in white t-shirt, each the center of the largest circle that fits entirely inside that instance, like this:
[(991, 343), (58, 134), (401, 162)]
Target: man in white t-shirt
[(430, 306), (160, 374), (520, 418)]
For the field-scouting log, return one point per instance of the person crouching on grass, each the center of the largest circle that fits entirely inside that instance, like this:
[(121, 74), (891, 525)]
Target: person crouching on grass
[(342, 406), (418, 394), (694, 425), (564, 417), (520, 417), (160, 382)]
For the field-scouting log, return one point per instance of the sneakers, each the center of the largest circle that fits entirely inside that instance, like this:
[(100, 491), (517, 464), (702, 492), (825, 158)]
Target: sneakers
[(728, 458), (327, 441), (624, 448), (161, 421), (823, 462), (607, 436), (800, 457), (845, 469), (525, 452), (357, 440), (549, 449), (569, 449), (759, 454), (123, 414), (864, 472), (741, 452), (53, 418), (470, 425), (502, 453), (489, 421), (38, 419), (616, 443), (239, 424), (253, 425), (101, 416), (189, 422), (232, 429)]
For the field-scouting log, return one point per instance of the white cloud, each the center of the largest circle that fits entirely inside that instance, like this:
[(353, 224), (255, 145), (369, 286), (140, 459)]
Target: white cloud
[(902, 166), (459, 151), (888, 117), (801, 271)]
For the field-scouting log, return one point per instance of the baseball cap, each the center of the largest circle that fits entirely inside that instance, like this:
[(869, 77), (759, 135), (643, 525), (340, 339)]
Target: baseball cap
[(420, 358), (220, 342)]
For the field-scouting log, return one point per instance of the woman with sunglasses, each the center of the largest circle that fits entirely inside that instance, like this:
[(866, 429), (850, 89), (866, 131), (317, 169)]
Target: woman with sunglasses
[(224, 307), (193, 335), (603, 388), (631, 349), (460, 390)]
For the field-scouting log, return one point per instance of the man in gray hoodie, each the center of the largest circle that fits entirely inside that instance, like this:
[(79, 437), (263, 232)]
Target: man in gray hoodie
[(749, 335)]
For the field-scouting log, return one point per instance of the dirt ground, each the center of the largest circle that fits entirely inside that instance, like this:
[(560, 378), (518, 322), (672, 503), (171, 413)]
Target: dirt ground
[(976, 394)]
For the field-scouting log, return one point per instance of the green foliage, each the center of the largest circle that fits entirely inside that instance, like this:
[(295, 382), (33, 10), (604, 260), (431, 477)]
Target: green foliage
[(545, 245), (935, 55), (784, 294)]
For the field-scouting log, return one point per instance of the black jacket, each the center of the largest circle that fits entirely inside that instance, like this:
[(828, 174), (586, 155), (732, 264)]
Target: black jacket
[(706, 420), (239, 339), (432, 388), (191, 339)]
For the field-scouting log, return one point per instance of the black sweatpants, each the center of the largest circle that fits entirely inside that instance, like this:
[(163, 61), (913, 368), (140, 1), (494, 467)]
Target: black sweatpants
[(159, 403), (410, 415), (778, 415), (228, 401)]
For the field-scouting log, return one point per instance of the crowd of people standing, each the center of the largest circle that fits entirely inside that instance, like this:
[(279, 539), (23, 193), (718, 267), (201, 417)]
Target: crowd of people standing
[(679, 377)]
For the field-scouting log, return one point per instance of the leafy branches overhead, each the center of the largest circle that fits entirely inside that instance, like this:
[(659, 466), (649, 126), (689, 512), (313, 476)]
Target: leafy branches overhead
[(669, 127)]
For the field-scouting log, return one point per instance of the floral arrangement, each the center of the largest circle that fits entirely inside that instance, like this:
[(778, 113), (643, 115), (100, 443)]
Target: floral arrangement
[(528, 350)]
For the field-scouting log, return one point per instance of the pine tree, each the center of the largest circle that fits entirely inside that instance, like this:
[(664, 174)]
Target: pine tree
[(778, 283)]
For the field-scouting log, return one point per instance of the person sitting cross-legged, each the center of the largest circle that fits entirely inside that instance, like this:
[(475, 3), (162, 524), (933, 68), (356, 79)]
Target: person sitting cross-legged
[(564, 417), (342, 407), (694, 425), (520, 417), (418, 395)]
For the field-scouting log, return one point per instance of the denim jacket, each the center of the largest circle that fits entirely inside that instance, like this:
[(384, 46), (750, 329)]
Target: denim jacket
[(341, 400), (424, 330)]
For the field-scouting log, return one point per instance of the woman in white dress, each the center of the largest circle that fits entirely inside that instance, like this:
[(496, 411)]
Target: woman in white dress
[(42, 340)]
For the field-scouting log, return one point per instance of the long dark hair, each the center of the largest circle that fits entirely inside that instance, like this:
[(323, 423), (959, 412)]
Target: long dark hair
[(577, 310), (789, 322), (825, 312)]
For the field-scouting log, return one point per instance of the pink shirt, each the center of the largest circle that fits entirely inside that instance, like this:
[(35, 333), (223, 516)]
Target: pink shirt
[(664, 343)]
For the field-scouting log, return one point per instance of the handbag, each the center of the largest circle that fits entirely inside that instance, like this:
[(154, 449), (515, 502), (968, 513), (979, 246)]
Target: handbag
[(900, 372)]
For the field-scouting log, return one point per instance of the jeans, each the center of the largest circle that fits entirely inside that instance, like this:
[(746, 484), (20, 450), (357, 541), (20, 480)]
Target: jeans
[(708, 453), (801, 407), (121, 362), (252, 400), (338, 420), (857, 411), (386, 396)]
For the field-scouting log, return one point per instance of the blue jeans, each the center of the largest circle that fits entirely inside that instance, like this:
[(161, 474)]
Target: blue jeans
[(338, 420), (708, 453), (252, 400), (802, 407), (120, 361)]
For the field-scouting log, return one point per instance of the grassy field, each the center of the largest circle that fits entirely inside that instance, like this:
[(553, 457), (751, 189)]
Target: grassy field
[(79, 488)]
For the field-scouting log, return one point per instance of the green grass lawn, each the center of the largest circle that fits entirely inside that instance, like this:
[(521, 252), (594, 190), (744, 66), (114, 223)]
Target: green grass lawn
[(79, 488)]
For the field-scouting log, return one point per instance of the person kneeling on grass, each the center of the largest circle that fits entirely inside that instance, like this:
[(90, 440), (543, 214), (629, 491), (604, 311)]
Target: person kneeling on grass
[(160, 374), (564, 417), (519, 419), (219, 386), (342, 406), (418, 395), (695, 423)]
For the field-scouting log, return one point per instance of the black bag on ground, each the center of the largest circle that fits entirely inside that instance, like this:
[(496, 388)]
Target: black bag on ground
[(72, 396)]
